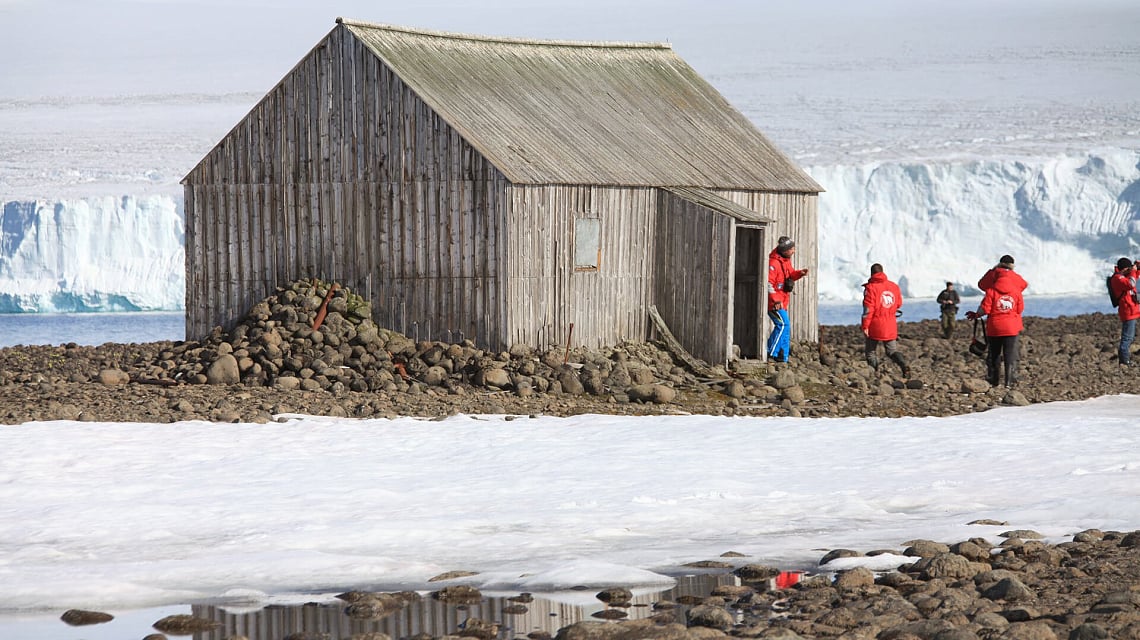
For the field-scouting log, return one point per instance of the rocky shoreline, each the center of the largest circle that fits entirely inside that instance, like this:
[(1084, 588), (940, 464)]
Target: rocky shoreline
[(1086, 588), (1021, 589), (275, 362)]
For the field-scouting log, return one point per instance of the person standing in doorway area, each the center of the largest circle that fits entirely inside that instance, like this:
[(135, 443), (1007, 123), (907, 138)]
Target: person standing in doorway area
[(781, 276), (948, 300), (1122, 286), (882, 305), (1002, 307)]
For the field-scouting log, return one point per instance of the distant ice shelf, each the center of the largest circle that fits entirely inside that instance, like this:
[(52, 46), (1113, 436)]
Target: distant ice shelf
[(121, 253), (1065, 219)]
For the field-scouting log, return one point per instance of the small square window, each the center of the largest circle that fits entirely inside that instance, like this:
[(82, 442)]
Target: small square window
[(587, 248)]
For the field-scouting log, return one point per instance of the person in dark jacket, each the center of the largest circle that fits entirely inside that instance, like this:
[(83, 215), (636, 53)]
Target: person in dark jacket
[(781, 275), (1123, 289), (948, 301), (882, 305), (1002, 307)]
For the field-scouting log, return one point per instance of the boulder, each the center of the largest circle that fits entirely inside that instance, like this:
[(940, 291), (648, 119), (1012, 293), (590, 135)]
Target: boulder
[(224, 370)]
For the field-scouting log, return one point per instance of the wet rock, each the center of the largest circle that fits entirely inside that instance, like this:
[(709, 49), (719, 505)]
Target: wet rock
[(838, 553), (756, 572), (81, 617), (709, 616), (615, 596), (451, 575), (374, 606), (479, 628), (184, 625), (458, 594)]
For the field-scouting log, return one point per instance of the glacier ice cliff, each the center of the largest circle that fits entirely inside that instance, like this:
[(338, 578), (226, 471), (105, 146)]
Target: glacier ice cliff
[(1065, 219), (92, 254)]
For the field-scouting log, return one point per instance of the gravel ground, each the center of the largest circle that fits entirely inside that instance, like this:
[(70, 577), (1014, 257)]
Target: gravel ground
[(1066, 358)]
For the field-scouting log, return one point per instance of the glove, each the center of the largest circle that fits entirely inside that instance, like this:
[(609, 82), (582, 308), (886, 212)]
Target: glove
[(971, 315)]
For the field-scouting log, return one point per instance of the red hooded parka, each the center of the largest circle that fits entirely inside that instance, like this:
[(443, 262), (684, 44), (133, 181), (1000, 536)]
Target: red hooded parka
[(780, 271), (1124, 290), (1004, 303), (881, 299)]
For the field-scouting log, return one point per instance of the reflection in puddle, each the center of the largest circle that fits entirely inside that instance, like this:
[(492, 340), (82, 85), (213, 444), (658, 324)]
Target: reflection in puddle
[(545, 614)]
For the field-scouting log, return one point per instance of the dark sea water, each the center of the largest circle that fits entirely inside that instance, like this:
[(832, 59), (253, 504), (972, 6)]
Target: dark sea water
[(126, 327), (90, 328)]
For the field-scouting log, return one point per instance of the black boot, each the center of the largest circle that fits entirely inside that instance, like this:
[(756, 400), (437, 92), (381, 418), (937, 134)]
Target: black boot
[(901, 362)]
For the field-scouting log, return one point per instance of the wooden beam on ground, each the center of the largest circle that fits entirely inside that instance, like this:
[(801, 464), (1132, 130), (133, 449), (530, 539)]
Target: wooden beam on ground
[(679, 352)]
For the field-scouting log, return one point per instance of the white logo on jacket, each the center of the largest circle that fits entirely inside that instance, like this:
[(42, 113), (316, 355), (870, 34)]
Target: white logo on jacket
[(887, 299), (1005, 303)]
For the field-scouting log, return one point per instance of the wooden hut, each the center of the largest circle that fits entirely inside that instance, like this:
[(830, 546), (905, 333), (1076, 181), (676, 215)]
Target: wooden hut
[(501, 190)]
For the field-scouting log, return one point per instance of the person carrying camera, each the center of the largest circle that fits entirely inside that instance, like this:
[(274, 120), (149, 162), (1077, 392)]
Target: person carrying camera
[(781, 277), (882, 305), (1122, 286), (948, 301), (1002, 305)]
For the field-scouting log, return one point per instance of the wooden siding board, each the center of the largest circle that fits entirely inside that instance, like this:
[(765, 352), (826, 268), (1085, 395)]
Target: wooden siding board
[(693, 276), (547, 295)]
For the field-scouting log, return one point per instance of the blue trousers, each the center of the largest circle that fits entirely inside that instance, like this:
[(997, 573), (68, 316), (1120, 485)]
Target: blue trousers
[(780, 340), (1127, 335)]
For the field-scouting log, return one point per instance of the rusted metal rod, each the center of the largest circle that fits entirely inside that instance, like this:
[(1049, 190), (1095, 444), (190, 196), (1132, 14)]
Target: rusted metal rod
[(566, 356), (324, 309)]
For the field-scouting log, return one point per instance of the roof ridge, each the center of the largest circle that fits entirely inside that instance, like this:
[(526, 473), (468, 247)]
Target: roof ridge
[(504, 39)]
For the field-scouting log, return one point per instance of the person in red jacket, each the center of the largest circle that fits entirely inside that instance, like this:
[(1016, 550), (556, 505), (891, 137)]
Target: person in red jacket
[(1123, 289), (882, 305), (781, 275), (1002, 307)]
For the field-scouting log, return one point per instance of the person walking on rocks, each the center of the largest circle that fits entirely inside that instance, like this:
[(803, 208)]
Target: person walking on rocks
[(1122, 286), (948, 301), (1002, 307), (781, 277), (882, 305)]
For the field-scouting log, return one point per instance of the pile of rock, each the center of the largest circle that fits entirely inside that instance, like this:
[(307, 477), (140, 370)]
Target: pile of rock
[(1023, 589), (313, 335)]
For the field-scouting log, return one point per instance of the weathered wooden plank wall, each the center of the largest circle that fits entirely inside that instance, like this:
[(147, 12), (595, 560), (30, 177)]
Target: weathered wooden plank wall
[(545, 292), (692, 276), (342, 173), (795, 215)]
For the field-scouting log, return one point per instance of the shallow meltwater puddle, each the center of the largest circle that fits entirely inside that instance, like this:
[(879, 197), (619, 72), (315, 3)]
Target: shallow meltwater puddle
[(516, 616)]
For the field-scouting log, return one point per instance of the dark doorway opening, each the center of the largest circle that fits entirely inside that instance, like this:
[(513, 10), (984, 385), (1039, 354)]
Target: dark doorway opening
[(747, 319)]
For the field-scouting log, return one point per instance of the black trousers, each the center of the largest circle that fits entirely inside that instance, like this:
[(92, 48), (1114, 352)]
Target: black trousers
[(1002, 348)]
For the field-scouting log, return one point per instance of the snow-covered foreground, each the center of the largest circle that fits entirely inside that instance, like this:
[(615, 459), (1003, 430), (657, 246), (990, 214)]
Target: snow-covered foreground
[(107, 515)]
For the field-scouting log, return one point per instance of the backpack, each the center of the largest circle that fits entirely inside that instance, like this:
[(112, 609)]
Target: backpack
[(1111, 296)]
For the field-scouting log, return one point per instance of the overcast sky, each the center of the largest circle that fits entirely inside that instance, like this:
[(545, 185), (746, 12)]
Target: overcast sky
[(117, 47)]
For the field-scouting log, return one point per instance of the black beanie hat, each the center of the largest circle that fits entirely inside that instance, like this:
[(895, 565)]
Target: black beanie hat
[(1124, 263), (1006, 260)]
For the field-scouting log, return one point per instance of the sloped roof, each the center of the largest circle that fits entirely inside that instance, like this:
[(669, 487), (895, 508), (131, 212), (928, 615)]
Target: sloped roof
[(560, 112), (711, 200)]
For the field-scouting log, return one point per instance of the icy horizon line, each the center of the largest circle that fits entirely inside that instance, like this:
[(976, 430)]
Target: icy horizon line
[(1064, 217), (74, 184)]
